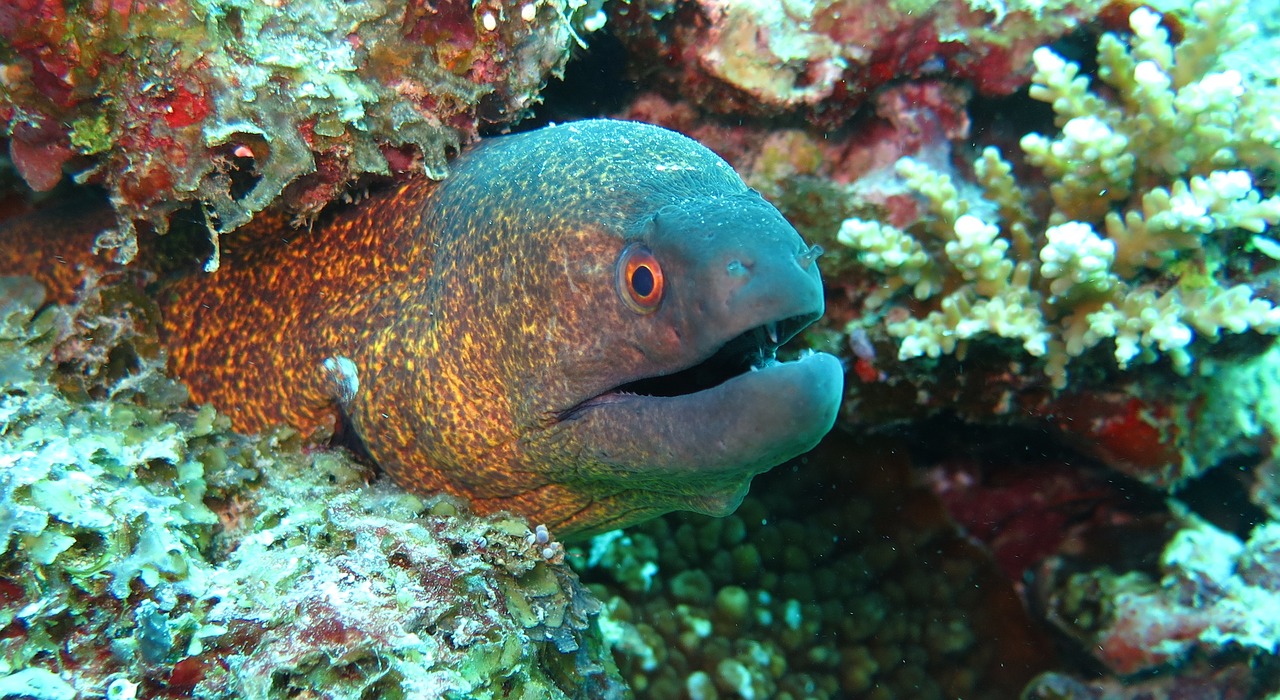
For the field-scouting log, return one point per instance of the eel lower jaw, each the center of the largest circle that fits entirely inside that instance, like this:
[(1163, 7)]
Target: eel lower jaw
[(716, 437)]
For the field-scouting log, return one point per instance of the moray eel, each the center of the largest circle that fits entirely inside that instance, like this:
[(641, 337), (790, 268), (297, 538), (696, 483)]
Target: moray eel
[(578, 325)]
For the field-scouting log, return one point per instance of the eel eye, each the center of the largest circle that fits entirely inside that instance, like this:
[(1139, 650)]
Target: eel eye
[(640, 281)]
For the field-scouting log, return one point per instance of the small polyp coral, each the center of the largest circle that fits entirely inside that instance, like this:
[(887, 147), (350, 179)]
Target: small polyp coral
[(827, 583), (1155, 225), (170, 103)]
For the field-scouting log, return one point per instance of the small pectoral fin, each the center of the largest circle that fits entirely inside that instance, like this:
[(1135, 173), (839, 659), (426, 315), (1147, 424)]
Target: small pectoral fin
[(344, 380), (343, 385)]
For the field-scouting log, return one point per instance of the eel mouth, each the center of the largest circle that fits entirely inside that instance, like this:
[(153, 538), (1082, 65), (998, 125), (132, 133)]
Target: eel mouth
[(751, 350)]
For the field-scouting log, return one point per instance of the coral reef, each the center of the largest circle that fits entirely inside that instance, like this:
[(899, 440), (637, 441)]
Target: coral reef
[(1215, 601), (169, 103), (822, 59), (1139, 285), (812, 174), (839, 579), (1107, 281), (1153, 203), (150, 552), (1146, 256), (1029, 294), (1233, 682), (1024, 509)]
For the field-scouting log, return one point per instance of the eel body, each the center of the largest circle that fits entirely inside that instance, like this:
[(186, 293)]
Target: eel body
[(578, 325)]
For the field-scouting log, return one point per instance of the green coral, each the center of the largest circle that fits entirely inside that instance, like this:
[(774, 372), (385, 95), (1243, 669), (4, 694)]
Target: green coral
[(148, 549), (1154, 188), (824, 584)]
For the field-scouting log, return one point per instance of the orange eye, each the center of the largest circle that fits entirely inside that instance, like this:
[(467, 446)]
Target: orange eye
[(639, 279)]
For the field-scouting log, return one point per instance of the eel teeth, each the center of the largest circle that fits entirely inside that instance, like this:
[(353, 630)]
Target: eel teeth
[(772, 330)]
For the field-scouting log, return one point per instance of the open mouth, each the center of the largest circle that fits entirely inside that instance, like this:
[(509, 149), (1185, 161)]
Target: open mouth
[(754, 349)]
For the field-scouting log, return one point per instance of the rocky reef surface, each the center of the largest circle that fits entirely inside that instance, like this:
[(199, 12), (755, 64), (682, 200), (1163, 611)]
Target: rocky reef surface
[(241, 105)]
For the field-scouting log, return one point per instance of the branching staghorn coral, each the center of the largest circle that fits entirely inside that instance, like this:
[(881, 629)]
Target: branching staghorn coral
[(1154, 191)]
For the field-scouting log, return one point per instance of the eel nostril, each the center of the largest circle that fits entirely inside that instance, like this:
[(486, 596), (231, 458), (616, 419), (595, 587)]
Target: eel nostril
[(807, 257)]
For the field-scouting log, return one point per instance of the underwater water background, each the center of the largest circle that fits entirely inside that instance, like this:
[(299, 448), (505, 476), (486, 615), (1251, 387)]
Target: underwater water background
[(1049, 268)]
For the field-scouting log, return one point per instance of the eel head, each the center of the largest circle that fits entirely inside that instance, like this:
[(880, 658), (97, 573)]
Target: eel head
[(690, 400)]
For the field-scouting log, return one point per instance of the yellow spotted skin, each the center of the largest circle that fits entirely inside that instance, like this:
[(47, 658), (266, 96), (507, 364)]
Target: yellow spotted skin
[(478, 313)]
